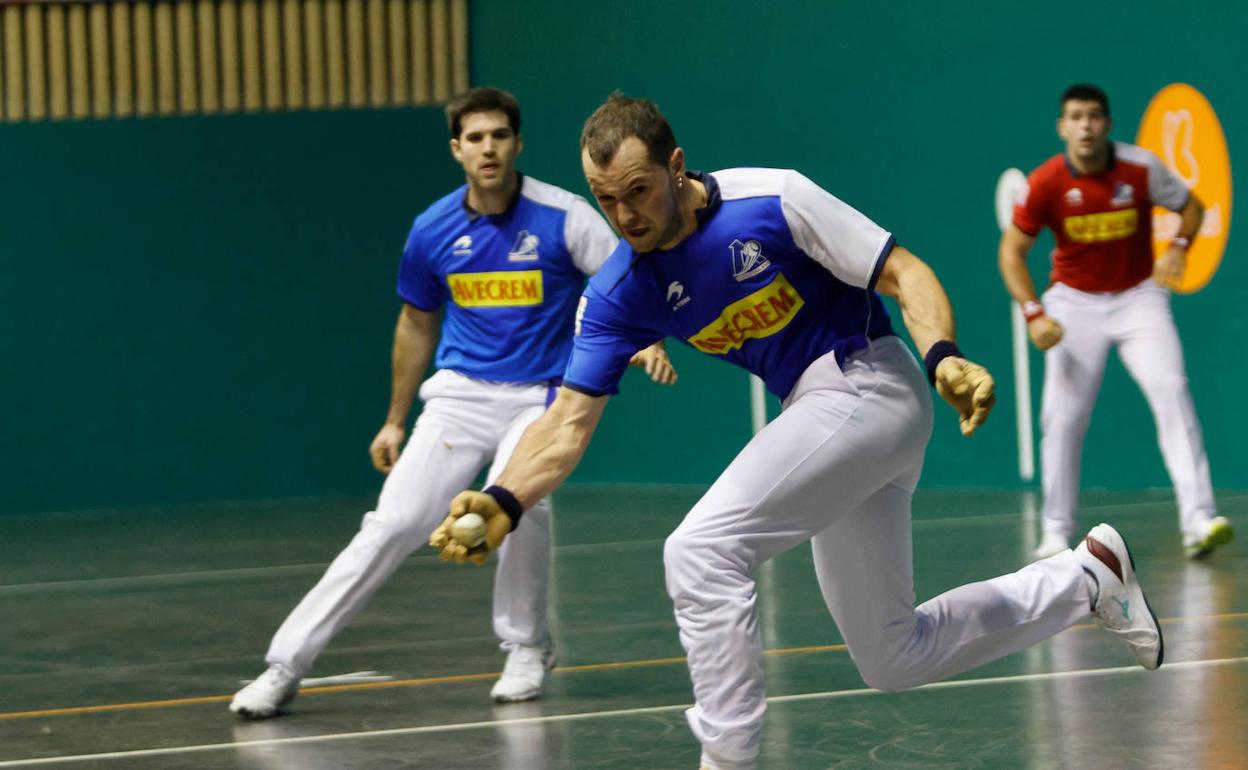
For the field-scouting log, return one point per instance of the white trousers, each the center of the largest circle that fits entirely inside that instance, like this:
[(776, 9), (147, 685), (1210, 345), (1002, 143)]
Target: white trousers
[(465, 423), (838, 468), (1138, 322)]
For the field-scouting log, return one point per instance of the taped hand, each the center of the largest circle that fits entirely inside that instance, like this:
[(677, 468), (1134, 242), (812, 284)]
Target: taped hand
[(497, 525), (969, 388), (1044, 332)]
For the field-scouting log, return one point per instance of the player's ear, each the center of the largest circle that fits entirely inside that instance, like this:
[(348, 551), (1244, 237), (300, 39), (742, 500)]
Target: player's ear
[(676, 163), (455, 152), (519, 144)]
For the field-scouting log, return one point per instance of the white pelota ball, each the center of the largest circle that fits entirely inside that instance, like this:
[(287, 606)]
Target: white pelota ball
[(469, 529)]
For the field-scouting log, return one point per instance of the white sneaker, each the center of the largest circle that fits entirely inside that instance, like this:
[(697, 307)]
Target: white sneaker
[(268, 695), (1119, 603), (1215, 532), (523, 674), (1051, 544)]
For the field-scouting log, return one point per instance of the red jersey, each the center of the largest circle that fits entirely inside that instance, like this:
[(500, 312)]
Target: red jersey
[(1103, 222)]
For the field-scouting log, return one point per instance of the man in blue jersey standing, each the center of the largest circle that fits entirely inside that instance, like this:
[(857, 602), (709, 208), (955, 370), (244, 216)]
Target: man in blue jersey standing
[(506, 255), (764, 269)]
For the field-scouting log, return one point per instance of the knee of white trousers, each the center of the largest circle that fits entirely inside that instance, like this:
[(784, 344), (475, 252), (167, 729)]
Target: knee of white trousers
[(380, 530), (886, 665), (688, 562)]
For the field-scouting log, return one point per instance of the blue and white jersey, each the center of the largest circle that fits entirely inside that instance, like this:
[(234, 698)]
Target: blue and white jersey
[(778, 273), (510, 281)]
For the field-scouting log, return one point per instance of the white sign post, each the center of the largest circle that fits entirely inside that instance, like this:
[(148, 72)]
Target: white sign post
[(1010, 187)]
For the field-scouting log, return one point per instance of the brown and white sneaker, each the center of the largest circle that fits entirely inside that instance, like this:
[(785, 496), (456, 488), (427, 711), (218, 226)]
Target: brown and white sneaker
[(1118, 602)]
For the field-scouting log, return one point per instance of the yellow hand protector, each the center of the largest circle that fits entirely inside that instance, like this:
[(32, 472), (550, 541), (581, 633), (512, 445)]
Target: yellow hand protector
[(969, 388), (497, 525)]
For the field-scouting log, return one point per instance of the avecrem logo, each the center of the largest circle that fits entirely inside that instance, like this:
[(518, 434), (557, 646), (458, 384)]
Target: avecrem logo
[(509, 288), (759, 315)]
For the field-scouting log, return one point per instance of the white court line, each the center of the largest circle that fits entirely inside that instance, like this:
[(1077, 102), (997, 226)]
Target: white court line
[(425, 729), (248, 572)]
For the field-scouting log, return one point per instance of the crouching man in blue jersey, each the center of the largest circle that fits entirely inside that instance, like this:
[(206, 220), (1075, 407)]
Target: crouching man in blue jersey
[(507, 256), (766, 270)]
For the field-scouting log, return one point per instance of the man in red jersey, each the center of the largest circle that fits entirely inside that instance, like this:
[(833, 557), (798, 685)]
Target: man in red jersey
[(1107, 292)]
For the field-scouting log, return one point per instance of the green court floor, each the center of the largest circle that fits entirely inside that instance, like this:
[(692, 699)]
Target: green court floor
[(124, 633)]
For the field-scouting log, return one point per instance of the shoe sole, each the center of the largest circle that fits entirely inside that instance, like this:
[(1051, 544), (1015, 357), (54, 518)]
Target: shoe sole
[(1161, 639)]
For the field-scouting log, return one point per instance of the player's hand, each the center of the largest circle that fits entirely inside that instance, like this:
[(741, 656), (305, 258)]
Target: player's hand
[(656, 363), (497, 525), (1169, 267), (969, 388), (1044, 332), (386, 447)]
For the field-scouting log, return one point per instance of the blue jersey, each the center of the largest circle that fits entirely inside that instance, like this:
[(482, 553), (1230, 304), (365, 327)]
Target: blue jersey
[(778, 273), (509, 281)]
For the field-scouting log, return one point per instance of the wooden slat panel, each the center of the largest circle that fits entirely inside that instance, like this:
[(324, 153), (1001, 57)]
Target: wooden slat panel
[(14, 87), (418, 19), (123, 67), (335, 54), (209, 68), (459, 46), (253, 79), (377, 86), (36, 69), (357, 61), (79, 70), (440, 48), (144, 61), (400, 80), (292, 40), (271, 15), (58, 64), (314, 52), (101, 80), (231, 63), (166, 61), (188, 83)]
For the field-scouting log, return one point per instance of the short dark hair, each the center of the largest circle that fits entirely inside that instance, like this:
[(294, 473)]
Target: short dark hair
[(620, 117), (484, 99), (1084, 92)]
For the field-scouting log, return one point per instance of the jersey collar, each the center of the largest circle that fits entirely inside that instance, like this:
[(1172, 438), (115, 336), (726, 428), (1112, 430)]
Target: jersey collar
[(713, 198), (473, 215), (1109, 166)]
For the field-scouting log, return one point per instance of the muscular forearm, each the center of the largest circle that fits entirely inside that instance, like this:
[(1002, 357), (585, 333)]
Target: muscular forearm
[(1014, 272), (1193, 214), (551, 448), (414, 340), (925, 307)]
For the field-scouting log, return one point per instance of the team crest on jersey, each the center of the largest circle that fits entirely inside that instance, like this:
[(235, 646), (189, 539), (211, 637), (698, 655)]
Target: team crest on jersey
[(462, 246), (1074, 197), (1124, 194), (676, 295), (524, 249), (747, 259)]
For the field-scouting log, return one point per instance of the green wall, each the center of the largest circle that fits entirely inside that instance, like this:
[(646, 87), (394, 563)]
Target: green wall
[(201, 308), (909, 111)]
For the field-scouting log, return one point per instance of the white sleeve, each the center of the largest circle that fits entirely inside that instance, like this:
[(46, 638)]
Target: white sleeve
[(1164, 186), (590, 239), (832, 232)]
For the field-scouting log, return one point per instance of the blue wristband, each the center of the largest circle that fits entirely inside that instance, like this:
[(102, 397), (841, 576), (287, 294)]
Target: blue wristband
[(508, 502), (937, 353)]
